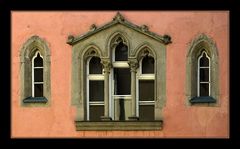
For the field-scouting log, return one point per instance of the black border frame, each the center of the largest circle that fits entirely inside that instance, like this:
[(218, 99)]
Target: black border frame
[(6, 6)]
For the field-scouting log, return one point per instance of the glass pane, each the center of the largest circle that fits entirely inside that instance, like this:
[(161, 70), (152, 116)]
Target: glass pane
[(204, 62), (147, 65), (122, 109), (38, 90), (204, 74), (95, 66), (204, 89), (38, 61), (146, 112), (146, 90), (121, 52), (96, 112), (38, 75), (96, 90), (122, 81)]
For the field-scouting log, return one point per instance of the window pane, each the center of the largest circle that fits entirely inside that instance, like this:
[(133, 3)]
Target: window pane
[(204, 74), (38, 75), (147, 65), (38, 90), (204, 89), (146, 112), (146, 90), (96, 112), (95, 66), (122, 109), (96, 90), (204, 62), (122, 81), (38, 61), (121, 52)]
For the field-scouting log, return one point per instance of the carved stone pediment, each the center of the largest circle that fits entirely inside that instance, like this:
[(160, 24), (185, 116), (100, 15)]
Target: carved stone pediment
[(119, 19)]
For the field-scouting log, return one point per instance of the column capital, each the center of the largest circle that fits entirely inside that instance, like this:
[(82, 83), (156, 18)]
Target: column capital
[(106, 65), (133, 63)]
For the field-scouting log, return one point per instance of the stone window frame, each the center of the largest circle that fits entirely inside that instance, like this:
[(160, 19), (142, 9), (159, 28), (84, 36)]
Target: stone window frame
[(33, 45), (200, 43), (82, 48)]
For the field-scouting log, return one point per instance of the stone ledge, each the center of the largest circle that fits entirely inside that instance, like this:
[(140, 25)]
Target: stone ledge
[(35, 100), (203, 99), (119, 125)]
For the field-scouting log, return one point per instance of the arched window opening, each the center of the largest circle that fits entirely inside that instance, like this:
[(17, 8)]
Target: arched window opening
[(95, 66), (204, 75), (148, 65), (95, 89), (146, 89), (37, 75), (121, 52)]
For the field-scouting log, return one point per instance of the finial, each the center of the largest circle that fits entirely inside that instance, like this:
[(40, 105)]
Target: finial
[(93, 27), (70, 39), (167, 39), (118, 17), (144, 28)]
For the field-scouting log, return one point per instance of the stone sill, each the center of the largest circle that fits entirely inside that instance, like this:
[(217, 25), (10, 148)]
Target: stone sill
[(119, 125), (203, 99), (35, 100)]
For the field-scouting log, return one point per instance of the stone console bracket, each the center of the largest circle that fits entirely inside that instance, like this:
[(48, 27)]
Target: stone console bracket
[(119, 125)]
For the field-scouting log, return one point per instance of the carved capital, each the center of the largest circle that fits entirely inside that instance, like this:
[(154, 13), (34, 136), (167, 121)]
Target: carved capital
[(106, 65), (133, 63)]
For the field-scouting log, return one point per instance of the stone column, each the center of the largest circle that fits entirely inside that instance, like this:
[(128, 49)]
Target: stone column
[(106, 70), (133, 63)]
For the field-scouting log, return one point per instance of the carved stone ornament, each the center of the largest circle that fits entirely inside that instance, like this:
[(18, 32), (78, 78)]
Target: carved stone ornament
[(116, 41), (167, 39), (144, 28), (133, 63), (118, 17), (93, 27), (106, 65), (70, 38)]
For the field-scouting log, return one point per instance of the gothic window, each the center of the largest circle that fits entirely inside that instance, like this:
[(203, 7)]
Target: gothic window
[(118, 77), (146, 89), (204, 75), (35, 72), (37, 75), (95, 89), (202, 72)]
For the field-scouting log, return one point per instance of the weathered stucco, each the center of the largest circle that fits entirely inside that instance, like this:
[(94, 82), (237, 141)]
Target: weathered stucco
[(180, 119)]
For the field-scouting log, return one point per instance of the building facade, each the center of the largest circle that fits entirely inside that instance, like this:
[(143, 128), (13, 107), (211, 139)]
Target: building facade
[(112, 74)]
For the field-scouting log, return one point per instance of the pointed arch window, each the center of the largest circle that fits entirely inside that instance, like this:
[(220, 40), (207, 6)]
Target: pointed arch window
[(202, 72), (37, 75), (35, 72), (121, 52), (146, 89), (204, 77), (95, 89), (121, 82), (122, 94)]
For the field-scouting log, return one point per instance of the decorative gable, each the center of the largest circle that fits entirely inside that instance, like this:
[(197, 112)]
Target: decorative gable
[(119, 20)]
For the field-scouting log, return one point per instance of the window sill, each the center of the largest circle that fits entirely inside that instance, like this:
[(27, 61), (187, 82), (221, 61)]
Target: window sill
[(35, 100), (119, 125), (203, 99)]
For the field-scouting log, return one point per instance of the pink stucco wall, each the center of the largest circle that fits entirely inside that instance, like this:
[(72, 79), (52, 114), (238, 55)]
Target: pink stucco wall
[(180, 120)]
